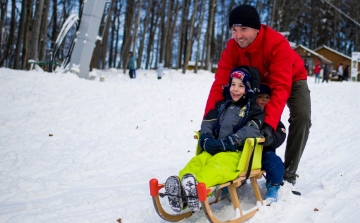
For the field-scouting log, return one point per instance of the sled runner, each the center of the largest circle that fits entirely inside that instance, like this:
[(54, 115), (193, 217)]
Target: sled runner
[(250, 168)]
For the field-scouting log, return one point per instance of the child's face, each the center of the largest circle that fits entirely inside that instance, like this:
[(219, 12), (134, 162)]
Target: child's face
[(262, 99), (237, 89)]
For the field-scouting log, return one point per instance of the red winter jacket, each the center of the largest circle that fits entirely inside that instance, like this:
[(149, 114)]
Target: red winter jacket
[(317, 69), (278, 63)]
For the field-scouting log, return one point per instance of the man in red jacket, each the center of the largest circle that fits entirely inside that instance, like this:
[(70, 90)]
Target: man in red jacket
[(280, 67)]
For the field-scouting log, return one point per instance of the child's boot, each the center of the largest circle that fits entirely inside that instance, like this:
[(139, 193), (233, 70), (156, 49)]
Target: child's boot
[(174, 193), (271, 192), (189, 183)]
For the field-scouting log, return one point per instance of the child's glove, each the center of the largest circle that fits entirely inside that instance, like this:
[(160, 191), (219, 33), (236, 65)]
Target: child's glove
[(214, 146), (203, 138), (230, 143), (267, 132)]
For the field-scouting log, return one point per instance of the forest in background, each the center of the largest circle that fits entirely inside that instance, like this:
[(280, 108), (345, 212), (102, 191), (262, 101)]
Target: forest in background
[(170, 31)]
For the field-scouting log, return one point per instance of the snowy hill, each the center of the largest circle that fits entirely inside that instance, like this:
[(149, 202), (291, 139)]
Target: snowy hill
[(74, 150)]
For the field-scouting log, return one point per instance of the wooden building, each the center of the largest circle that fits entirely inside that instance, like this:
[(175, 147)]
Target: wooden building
[(310, 58), (337, 58)]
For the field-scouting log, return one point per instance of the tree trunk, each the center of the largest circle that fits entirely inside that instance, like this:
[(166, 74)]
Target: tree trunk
[(105, 39), (169, 46), (11, 37), (125, 48), (43, 34), (3, 11), (153, 26), (28, 28), (54, 31), (182, 32), (210, 34), (20, 35), (198, 36), (136, 28), (144, 34), (34, 46), (190, 38)]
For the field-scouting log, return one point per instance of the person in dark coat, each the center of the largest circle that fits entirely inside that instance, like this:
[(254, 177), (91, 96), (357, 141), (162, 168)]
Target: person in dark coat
[(346, 73), (272, 163), (326, 74)]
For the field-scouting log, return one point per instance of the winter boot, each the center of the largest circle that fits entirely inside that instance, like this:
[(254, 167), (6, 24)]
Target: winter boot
[(174, 193), (271, 192), (189, 183)]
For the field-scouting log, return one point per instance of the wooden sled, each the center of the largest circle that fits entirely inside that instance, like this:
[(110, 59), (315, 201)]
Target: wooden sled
[(251, 155)]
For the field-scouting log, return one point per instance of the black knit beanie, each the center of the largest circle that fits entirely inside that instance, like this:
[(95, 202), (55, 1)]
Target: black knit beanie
[(244, 15), (264, 89)]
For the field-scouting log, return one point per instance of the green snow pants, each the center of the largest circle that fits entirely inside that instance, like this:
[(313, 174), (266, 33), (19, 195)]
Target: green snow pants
[(213, 170)]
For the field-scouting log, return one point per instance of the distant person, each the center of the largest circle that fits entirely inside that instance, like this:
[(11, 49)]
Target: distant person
[(346, 73), (257, 45), (132, 67), (317, 70), (340, 72), (325, 74), (306, 64), (160, 70)]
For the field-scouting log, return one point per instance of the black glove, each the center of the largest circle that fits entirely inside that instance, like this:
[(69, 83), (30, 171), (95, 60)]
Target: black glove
[(203, 138), (214, 146), (267, 132), (230, 143)]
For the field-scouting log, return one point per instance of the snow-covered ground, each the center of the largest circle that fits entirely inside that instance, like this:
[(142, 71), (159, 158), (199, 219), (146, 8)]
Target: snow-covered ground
[(74, 150)]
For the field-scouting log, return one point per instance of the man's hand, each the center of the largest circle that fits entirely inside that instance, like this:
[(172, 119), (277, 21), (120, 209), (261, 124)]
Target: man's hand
[(267, 132)]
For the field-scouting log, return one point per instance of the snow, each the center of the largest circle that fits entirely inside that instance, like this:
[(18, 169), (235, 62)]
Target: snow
[(75, 150)]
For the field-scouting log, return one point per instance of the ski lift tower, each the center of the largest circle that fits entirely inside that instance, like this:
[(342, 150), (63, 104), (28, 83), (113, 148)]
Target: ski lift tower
[(87, 35)]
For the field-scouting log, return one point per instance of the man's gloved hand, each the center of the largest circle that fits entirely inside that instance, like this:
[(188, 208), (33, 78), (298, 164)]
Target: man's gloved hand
[(230, 143), (267, 132)]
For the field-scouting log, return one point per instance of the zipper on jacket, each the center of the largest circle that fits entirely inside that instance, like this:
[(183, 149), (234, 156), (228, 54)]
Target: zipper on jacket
[(247, 56)]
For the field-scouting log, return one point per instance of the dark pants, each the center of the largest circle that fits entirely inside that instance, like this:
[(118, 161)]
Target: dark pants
[(274, 167), (299, 104), (131, 73)]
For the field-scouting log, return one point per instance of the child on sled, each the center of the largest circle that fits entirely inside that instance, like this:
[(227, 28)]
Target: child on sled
[(222, 134), (271, 163)]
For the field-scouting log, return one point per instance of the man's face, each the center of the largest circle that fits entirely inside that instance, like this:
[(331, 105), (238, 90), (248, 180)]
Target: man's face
[(244, 35)]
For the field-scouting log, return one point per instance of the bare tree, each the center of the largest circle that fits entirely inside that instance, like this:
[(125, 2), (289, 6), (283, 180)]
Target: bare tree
[(190, 38), (182, 34), (136, 27), (153, 26), (209, 34), (198, 34), (34, 46), (20, 38), (172, 18), (143, 35), (10, 38), (125, 48), (43, 32)]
